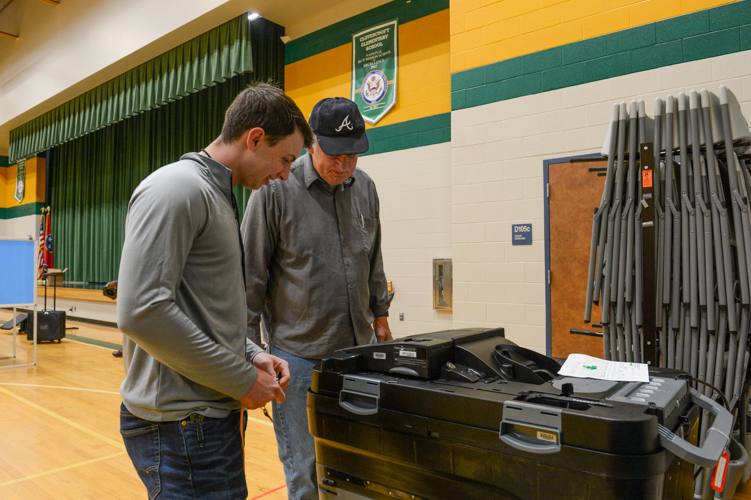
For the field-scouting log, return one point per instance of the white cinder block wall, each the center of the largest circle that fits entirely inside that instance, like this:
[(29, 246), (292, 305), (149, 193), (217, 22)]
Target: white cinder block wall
[(20, 227), (497, 154), (414, 188), (87, 309)]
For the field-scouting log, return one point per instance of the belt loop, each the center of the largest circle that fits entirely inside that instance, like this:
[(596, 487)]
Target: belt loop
[(198, 419)]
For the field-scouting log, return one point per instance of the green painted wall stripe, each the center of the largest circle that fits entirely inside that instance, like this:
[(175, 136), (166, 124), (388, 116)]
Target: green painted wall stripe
[(4, 160), (21, 210), (340, 33), (681, 27), (426, 131), (709, 33)]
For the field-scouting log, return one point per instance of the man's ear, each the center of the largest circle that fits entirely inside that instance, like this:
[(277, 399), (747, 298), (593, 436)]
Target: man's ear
[(254, 138)]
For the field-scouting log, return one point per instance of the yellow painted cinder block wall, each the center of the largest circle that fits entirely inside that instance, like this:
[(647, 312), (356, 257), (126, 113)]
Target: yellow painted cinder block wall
[(424, 78), (4, 176), (35, 183), (488, 31), (40, 179)]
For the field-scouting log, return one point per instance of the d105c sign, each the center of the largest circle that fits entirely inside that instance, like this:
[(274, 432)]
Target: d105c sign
[(521, 234)]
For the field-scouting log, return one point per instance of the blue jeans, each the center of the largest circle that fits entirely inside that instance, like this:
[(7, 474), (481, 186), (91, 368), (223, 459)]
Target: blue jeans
[(195, 458), (293, 439)]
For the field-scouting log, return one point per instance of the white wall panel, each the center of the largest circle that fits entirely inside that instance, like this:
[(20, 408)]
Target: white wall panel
[(414, 187), (20, 227)]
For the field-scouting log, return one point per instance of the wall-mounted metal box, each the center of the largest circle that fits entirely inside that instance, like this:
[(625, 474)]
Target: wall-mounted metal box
[(442, 284)]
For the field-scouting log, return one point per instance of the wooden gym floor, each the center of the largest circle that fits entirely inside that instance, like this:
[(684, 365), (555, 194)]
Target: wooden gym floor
[(60, 433), (60, 424)]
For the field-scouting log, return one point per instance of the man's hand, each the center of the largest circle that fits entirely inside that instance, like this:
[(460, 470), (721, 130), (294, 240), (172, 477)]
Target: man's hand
[(265, 389), (274, 366), (382, 330), (267, 386)]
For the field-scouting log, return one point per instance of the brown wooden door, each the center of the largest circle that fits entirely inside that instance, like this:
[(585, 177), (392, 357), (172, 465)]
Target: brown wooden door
[(574, 194)]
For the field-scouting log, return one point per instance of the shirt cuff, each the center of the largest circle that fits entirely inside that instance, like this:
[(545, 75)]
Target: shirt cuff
[(251, 350), (380, 312), (254, 334)]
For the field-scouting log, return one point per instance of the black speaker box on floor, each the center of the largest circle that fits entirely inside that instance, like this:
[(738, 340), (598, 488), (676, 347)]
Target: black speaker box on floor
[(51, 326)]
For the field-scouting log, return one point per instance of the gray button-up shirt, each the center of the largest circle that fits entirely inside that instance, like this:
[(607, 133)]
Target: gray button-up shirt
[(313, 262)]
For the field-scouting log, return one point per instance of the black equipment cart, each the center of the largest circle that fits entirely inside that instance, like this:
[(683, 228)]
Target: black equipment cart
[(469, 414)]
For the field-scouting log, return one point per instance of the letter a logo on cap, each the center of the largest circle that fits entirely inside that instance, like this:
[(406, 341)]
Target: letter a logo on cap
[(345, 123)]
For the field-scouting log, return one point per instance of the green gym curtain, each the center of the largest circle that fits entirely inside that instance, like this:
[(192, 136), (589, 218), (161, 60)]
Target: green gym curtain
[(93, 176), (206, 60)]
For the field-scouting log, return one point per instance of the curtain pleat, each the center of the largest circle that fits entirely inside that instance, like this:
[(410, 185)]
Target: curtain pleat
[(204, 61), (93, 176)]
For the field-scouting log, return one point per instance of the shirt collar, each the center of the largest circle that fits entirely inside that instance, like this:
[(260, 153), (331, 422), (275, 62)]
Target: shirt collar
[(219, 173), (309, 171), (311, 174)]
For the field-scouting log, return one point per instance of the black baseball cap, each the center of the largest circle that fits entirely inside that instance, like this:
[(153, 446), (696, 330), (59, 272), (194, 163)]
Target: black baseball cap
[(339, 126)]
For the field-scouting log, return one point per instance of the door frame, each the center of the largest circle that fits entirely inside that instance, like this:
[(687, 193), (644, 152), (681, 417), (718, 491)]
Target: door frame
[(546, 201)]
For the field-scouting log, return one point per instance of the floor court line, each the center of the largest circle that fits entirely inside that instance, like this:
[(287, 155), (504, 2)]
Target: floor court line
[(267, 493), (259, 421), (59, 387), (116, 444), (109, 347), (105, 347), (60, 469)]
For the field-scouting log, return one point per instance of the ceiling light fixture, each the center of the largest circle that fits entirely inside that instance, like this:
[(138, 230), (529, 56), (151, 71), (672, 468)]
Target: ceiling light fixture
[(253, 16)]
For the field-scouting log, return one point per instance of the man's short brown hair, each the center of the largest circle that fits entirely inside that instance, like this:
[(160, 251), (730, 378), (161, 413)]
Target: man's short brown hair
[(268, 107)]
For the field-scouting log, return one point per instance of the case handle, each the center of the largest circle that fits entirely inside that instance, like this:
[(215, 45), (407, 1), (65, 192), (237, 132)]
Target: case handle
[(522, 442), (716, 440), (358, 403), (531, 428)]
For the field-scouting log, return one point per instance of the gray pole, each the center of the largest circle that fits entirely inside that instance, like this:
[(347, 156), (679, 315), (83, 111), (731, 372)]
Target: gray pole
[(690, 272), (592, 284)]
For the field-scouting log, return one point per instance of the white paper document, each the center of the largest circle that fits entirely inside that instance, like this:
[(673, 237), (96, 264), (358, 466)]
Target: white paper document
[(583, 366)]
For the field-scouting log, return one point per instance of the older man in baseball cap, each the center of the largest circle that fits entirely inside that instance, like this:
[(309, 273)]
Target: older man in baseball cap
[(314, 271)]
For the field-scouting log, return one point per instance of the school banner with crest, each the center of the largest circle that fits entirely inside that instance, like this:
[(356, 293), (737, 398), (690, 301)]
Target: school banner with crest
[(374, 65), (20, 180)]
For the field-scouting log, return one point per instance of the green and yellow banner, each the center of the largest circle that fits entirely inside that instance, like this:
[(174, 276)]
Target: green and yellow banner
[(20, 180), (374, 65)]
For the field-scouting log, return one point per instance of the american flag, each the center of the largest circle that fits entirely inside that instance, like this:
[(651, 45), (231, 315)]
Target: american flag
[(48, 257), (40, 257)]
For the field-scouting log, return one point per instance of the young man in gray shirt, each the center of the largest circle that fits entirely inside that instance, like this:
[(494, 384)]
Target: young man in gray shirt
[(314, 271), (181, 305)]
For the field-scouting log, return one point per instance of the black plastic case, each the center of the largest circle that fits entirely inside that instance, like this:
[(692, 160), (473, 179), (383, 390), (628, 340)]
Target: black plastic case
[(445, 416)]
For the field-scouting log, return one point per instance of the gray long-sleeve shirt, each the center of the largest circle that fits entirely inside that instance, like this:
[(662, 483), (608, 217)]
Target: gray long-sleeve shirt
[(181, 301), (313, 262)]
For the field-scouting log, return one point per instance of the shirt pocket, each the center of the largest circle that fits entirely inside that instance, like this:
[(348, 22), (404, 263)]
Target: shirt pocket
[(369, 229)]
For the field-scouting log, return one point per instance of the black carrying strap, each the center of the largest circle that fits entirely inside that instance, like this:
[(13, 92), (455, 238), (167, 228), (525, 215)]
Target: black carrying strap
[(524, 365)]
